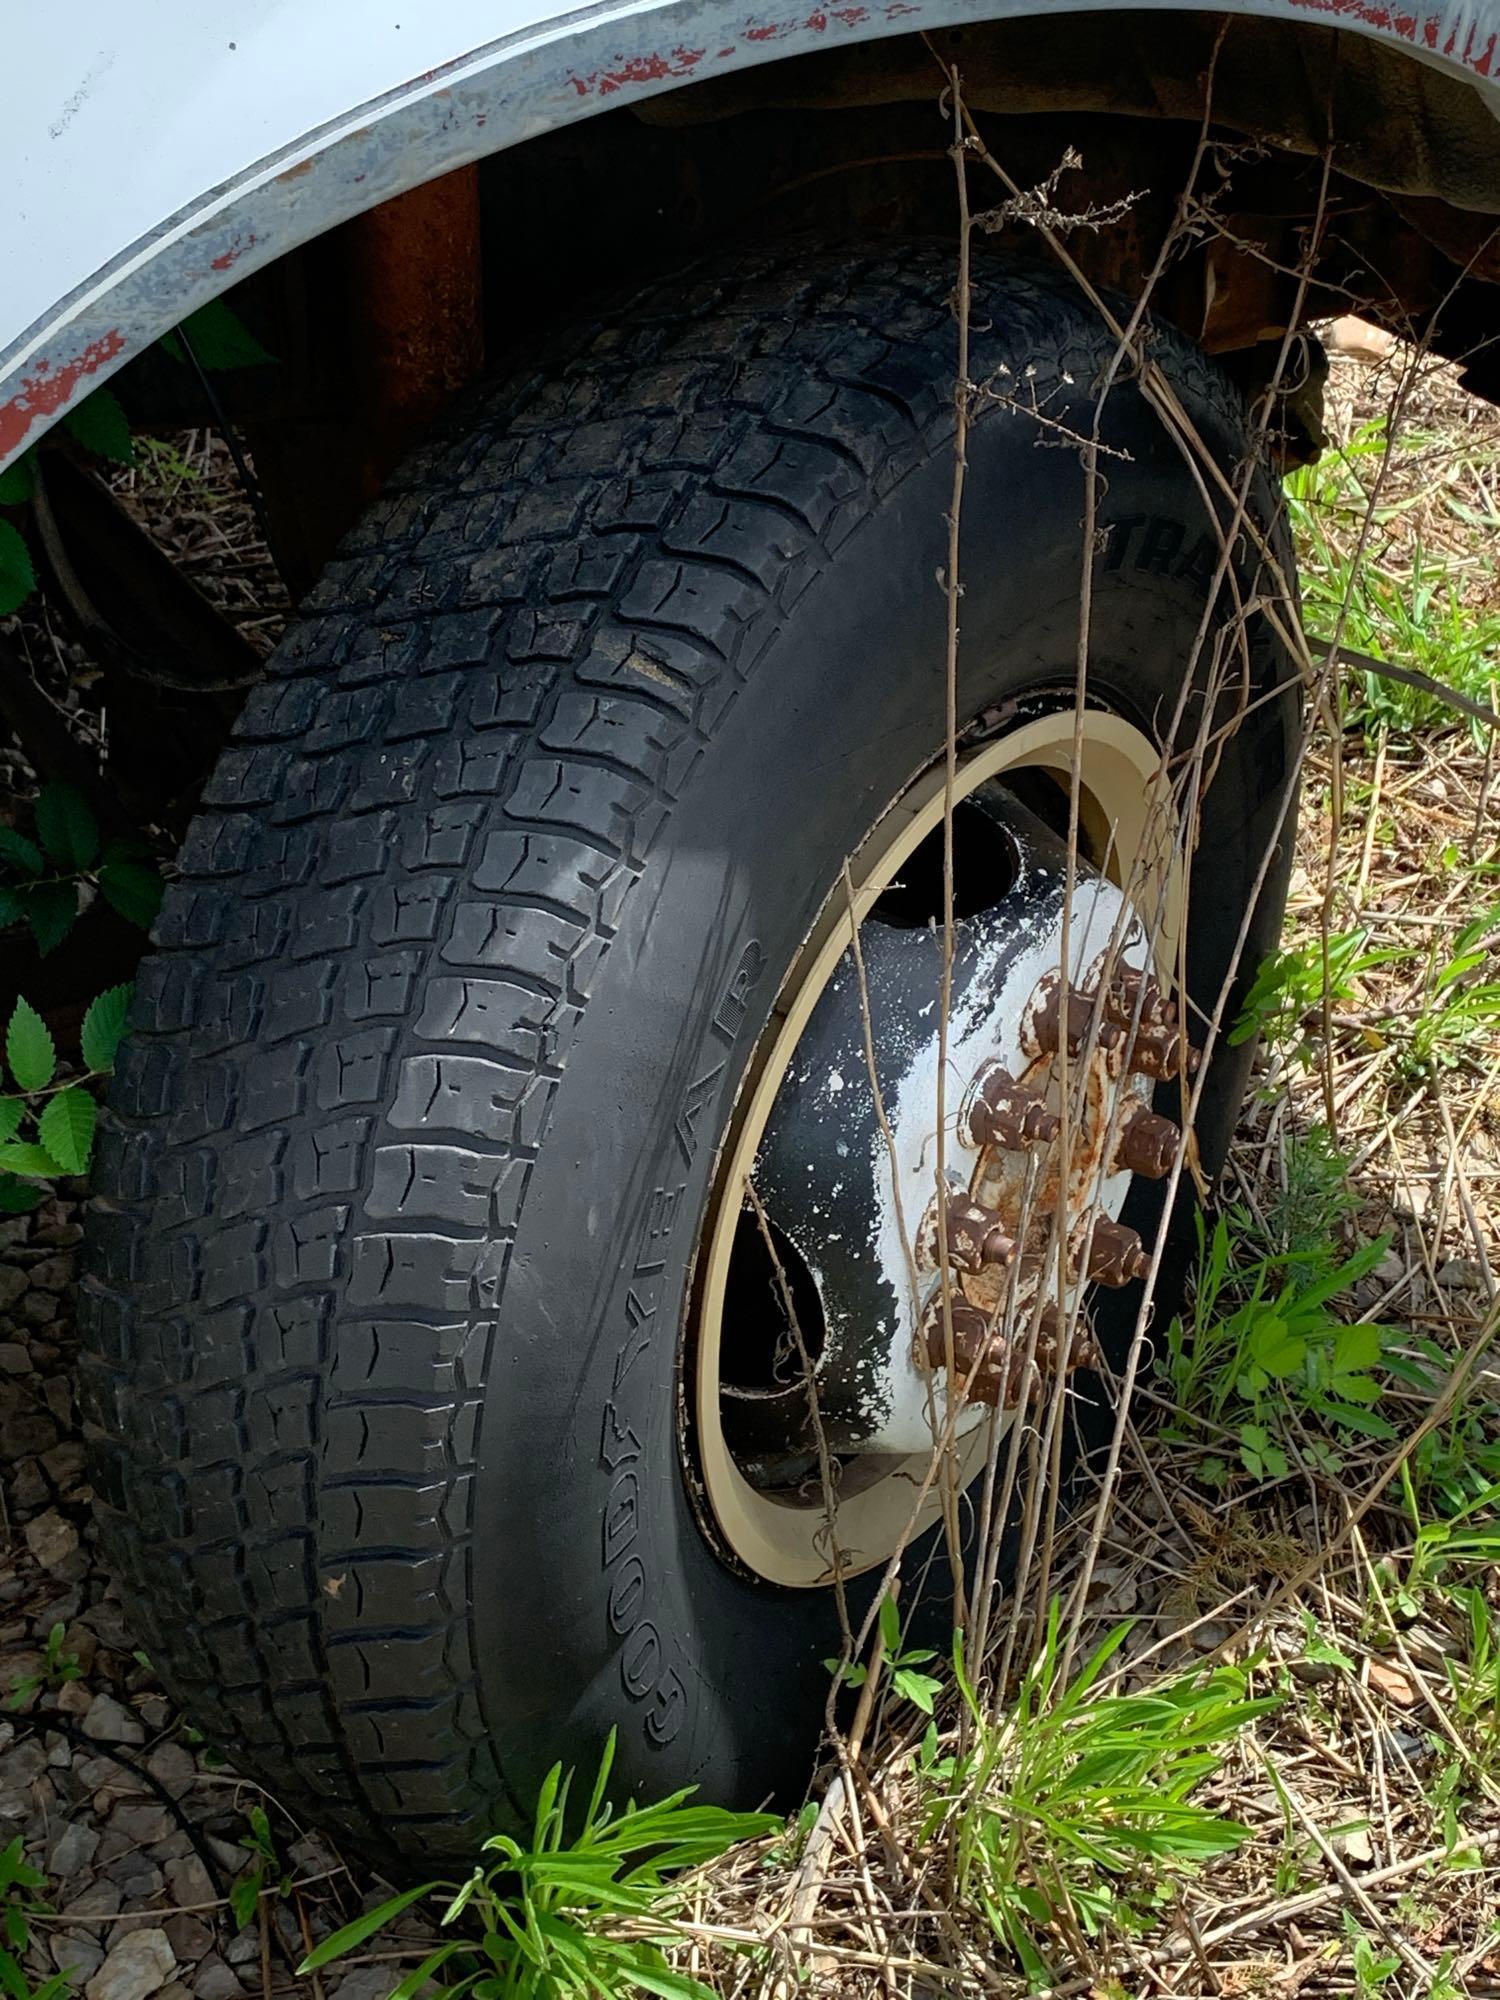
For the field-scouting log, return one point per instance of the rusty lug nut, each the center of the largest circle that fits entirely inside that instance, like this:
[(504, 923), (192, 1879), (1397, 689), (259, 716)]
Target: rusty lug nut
[(1147, 1144), (976, 1235), (1157, 1011), (990, 1371), (1003, 1112), (1108, 1038), (1163, 1053), (1115, 1254)]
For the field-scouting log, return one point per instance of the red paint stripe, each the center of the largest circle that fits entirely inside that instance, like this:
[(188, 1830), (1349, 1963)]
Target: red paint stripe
[(49, 390)]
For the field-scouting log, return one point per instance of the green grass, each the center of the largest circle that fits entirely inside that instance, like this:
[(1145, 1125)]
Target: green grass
[(1403, 602)]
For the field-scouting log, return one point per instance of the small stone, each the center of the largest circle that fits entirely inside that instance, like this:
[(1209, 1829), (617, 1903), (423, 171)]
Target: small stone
[(138, 1965), (1392, 1684), (13, 1283), (137, 1876), (64, 1464), (99, 1899), (98, 1772), (189, 1882), (58, 1235), (73, 1850), (243, 1948), (108, 1722), (365, 1982), (176, 1991), (73, 1951), (189, 1937), (1465, 1274), (51, 1539), (214, 1981), (58, 1392), (37, 1309), (156, 1712), (73, 1698), (14, 1359), (141, 1824), (27, 1434), (53, 1274), (172, 1767), (22, 1765), (1392, 1266), (28, 1489)]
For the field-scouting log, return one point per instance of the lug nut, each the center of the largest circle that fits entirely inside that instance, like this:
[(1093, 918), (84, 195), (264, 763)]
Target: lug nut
[(1157, 1011), (1164, 1053), (1005, 1113), (1044, 1022), (1115, 1254), (981, 1360), (976, 1236), (1147, 1144)]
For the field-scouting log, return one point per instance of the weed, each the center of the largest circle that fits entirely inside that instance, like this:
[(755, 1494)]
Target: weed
[(1073, 1809), (58, 1668), (1371, 1967), (46, 882), (902, 1667), (1460, 1015), (1265, 1347), (19, 1903), (264, 1871), (47, 1126), (547, 1916), (1285, 1000)]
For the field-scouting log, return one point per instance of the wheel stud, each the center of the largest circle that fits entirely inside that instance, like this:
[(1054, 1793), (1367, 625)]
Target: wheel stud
[(1147, 1144), (1115, 1254), (976, 1236), (1044, 1022), (990, 1367), (1120, 996), (1005, 1113), (1163, 1053)]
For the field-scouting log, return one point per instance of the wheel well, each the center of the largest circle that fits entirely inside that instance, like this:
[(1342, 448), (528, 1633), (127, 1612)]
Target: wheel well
[(1333, 152)]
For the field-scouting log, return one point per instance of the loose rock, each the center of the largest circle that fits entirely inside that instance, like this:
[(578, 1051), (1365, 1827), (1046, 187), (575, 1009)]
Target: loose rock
[(140, 1964), (108, 1722)]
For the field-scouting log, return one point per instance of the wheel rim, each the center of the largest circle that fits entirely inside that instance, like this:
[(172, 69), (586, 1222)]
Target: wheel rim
[(777, 1529)]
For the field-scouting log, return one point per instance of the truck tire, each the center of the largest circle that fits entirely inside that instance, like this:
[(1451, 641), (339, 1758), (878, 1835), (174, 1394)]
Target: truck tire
[(405, 1206)]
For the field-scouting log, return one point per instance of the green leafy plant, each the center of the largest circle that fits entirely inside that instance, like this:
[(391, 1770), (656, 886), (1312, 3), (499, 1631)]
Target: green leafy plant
[(1073, 1808), (545, 1919), (45, 882), (1460, 1017), (1287, 992), (902, 1667), (1263, 1344), (264, 1871), (1371, 1968), (19, 1903), (47, 1125), (58, 1668)]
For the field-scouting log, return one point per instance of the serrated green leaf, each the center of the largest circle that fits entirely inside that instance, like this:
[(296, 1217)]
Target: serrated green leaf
[(1356, 1347), (19, 853), (12, 909), (132, 889), (10, 1117), (21, 1158), (101, 426), (66, 1128), (66, 825), (51, 910), (104, 1026), (18, 481), (19, 1197), (1275, 1348), (28, 1048), (219, 339), (17, 577)]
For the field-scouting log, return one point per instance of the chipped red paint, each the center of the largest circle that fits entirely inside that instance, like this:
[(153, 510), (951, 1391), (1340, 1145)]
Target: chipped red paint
[(50, 390), (654, 68), (1410, 27), (227, 259)]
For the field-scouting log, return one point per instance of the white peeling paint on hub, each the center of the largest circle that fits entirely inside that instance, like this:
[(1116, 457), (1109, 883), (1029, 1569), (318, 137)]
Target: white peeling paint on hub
[(983, 1026)]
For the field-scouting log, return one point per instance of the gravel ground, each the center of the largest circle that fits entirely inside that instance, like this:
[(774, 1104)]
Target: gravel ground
[(135, 1824)]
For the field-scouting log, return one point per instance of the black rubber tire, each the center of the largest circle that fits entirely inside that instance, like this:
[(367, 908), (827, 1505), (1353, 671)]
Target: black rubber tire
[(487, 906)]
